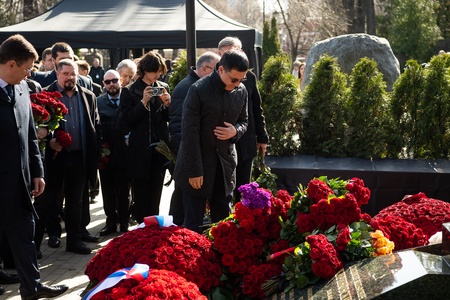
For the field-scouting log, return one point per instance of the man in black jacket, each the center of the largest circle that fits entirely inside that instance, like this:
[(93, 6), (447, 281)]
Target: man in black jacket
[(214, 118), (72, 167), (256, 137), (205, 66), (113, 178)]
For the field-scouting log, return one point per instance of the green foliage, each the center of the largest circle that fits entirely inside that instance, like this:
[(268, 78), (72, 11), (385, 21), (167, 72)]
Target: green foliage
[(434, 110), (413, 29), (281, 104), (443, 17), (405, 108), (323, 106), (266, 178), (367, 112), (179, 70), (271, 40)]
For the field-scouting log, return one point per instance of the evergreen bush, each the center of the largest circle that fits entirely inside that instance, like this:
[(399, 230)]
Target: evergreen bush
[(179, 70), (323, 108), (367, 114), (405, 109), (281, 105)]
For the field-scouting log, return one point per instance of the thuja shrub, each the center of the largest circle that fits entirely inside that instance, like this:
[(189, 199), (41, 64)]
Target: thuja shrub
[(323, 110), (367, 114), (281, 104), (179, 70), (435, 109), (405, 104)]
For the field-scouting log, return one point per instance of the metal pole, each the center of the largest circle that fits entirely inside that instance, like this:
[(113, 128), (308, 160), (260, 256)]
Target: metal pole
[(191, 37)]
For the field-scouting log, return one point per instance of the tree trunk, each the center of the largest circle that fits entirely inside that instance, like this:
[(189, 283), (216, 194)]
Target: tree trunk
[(360, 21), (370, 16), (28, 11), (349, 6)]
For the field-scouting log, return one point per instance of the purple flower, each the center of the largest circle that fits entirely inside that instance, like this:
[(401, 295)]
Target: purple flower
[(254, 197)]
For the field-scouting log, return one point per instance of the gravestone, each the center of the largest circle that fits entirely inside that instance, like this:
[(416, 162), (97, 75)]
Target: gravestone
[(413, 274), (349, 49)]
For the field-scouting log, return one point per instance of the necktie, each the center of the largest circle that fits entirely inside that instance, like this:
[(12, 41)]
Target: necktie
[(10, 90), (114, 101)]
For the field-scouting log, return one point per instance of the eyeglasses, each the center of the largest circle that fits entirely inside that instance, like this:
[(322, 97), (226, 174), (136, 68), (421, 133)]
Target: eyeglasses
[(108, 81), (209, 67), (28, 70), (234, 80)]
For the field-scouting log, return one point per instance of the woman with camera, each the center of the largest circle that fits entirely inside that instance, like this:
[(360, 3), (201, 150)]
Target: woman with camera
[(143, 105)]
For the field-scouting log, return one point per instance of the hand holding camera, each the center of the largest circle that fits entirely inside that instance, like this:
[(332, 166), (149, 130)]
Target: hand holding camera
[(151, 91)]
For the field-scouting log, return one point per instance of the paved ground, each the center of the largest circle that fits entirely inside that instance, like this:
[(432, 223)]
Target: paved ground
[(60, 267)]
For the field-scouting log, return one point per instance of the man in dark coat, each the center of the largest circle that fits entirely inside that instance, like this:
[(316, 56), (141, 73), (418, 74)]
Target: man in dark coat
[(21, 170), (72, 167), (205, 65), (256, 137), (112, 173), (214, 118)]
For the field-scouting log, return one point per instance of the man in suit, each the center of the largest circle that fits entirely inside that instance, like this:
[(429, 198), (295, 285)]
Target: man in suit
[(113, 170), (255, 138), (21, 170), (72, 167)]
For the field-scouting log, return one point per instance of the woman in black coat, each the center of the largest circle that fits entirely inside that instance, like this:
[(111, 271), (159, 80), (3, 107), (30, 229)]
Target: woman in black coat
[(144, 106)]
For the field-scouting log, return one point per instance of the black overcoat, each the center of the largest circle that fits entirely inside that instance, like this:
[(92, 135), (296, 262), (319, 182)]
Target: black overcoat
[(206, 106), (145, 127)]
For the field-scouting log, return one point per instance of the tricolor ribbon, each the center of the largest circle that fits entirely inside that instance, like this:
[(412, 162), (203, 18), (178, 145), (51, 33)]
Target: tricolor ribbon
[(138, 272), (162, 221)]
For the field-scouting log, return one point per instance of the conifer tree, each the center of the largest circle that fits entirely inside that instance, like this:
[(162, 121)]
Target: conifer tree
[(323, 110)]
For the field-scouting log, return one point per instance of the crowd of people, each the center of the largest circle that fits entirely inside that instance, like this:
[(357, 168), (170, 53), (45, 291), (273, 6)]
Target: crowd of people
[(212, 121)]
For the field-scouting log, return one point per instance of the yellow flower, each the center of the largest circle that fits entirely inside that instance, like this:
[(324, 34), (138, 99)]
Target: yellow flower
[(381, 243)]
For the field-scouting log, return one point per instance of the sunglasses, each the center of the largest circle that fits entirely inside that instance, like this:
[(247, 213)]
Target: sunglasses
[(108, 81), (234, 80)]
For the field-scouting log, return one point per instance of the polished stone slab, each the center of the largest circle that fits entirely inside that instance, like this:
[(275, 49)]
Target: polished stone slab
[(421, 273)]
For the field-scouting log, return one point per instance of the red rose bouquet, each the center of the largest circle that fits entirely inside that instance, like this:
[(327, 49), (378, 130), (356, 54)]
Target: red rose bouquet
[(48, 110), (63, 138), (104, 156), (425, 213), (247, 238), (160, 284), (177, 249)]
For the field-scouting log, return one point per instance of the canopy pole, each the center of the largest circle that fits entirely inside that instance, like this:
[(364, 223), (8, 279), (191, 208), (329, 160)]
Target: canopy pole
[(191, 37)]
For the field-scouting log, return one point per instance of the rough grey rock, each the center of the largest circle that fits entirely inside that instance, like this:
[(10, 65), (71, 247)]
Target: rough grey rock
[(349, 49)]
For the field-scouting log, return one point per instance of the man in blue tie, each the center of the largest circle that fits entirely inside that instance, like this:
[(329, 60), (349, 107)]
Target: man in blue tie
[(21, 175)]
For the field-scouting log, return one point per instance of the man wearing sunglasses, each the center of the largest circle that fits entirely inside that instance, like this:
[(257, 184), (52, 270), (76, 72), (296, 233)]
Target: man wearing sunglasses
[(112, 168), (255, 138), (214, 118)]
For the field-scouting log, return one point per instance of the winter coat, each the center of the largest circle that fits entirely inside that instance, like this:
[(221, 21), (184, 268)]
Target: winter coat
[(206, 106)]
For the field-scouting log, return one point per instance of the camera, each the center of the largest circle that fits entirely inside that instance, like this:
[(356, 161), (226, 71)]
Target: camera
[(157, 91)]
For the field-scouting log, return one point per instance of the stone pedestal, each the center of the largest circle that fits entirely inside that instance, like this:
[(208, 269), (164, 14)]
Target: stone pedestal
[(413, 274)]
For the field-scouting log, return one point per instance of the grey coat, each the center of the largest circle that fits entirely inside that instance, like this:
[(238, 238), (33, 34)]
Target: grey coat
[(206, 106)]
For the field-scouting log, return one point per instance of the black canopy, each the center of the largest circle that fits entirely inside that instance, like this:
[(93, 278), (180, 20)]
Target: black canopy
[(126, 24)]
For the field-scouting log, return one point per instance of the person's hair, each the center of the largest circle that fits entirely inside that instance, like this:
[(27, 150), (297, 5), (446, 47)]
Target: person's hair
[(127, 63), (67, 62), (168, 63), (61, 47), (17, 48), (116, 74), (206, 58), (84, 65), (46, 52), (234, 60), (299, 72), (151, 62), (230, 41), (297, 63)]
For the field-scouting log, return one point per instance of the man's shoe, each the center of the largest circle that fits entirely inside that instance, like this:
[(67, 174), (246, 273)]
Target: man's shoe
[(87, 237), (54, 242), (2, 290), (80, 249), (48, 291), (108, 229), (6, 278), (124, 227)]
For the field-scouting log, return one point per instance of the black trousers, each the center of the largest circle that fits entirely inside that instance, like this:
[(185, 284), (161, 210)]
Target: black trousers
[(219, 204), (243, 176), (176, 205), (115, 192), (68, 171)]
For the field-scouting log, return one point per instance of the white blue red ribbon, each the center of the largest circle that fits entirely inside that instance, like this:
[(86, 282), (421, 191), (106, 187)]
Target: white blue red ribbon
[(162, 221), (138, 272)]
